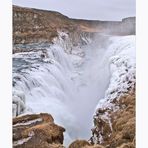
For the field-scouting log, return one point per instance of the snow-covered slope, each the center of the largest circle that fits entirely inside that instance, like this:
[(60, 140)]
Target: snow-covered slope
[(122, 68), (68, 81)]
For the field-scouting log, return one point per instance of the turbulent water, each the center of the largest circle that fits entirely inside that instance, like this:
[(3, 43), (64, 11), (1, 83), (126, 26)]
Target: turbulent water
[(66, 85)]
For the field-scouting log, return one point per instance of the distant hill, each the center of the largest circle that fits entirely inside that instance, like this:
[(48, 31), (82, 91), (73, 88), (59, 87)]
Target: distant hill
[(33, 25)]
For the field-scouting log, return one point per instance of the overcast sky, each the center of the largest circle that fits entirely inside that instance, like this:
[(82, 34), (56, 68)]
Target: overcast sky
[(85, 9)]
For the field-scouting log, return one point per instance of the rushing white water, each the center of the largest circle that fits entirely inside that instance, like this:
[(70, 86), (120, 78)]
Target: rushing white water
[(68, 86)]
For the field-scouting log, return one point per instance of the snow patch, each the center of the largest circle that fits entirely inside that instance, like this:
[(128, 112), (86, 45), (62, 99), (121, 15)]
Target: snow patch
[(21, 141), (28, 123)]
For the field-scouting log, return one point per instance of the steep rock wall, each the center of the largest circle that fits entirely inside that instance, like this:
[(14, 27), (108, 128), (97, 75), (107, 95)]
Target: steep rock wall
[(34, 26)]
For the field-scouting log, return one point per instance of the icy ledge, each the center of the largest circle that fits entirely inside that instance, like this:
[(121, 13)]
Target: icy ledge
[(18, 106), (122, 81)]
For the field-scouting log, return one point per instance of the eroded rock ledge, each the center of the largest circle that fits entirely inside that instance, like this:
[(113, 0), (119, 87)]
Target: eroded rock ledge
[(37, 131)]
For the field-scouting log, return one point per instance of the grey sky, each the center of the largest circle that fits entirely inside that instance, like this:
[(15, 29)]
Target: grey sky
[(85, 9)]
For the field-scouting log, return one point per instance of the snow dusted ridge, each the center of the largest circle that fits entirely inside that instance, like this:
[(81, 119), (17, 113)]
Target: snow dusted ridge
[(28, 123), (69, 44), (122, 81), (22, 141)]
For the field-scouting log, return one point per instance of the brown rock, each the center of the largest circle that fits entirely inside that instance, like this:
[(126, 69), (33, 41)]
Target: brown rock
[(35, 26), (37, 131), (79, 144), (83, 144), (121, 134)]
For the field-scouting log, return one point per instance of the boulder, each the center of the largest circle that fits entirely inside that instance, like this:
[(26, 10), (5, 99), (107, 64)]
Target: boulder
[(83, 144), (37, 131)]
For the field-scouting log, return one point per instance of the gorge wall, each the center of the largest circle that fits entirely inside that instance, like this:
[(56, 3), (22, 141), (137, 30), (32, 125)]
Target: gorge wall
[(32, 26)]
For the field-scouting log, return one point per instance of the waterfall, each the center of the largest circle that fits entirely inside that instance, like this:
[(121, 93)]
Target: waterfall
[(66, 85)]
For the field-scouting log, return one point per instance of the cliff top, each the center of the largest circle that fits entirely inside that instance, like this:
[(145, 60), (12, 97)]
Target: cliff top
[(34, 25)]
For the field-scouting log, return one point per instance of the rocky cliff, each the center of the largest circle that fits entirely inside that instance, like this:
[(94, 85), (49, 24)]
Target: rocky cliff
[(116, 127), (33, 26)]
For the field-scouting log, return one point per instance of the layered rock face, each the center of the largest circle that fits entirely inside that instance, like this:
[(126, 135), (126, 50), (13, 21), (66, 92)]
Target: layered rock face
[(40, 26), (36, 26), (37, 131)]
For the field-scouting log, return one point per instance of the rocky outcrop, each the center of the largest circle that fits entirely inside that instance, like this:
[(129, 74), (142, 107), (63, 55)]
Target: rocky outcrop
[(40, 26), (115, 127), (37, 131), (32, 26)]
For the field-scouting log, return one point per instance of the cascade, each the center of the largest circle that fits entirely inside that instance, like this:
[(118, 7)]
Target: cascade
[(68, 85)]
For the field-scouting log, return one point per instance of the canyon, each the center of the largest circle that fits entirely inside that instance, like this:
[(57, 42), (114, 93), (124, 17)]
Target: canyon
[(79, 72)]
